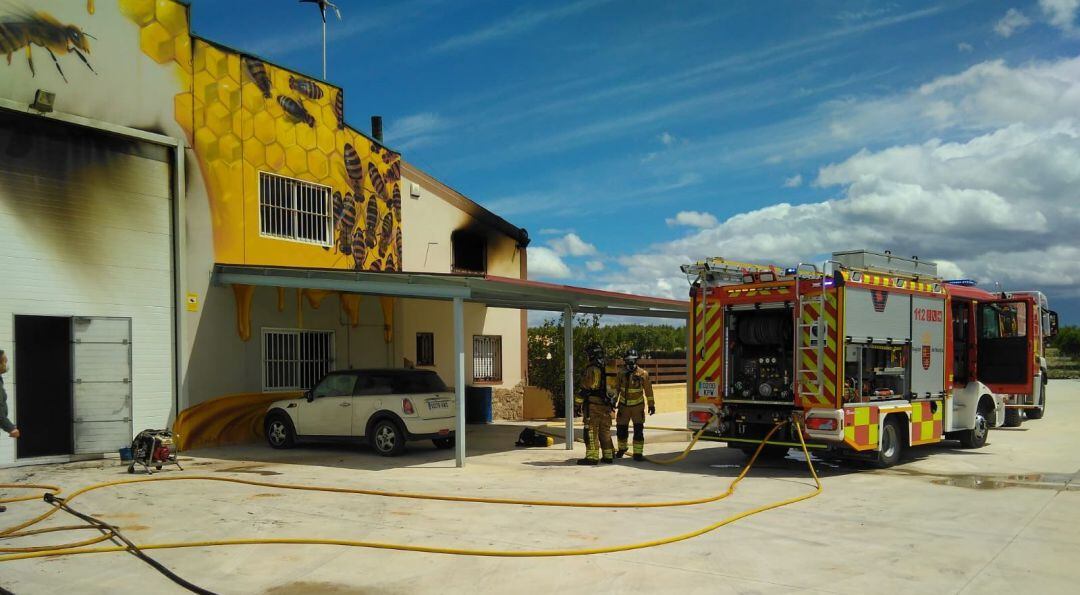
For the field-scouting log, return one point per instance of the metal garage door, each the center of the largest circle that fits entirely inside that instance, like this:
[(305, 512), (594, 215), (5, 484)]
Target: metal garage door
[(86, 232)]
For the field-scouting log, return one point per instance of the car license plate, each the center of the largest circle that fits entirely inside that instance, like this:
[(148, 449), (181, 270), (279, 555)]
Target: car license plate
[(707, 388), (438, 404)]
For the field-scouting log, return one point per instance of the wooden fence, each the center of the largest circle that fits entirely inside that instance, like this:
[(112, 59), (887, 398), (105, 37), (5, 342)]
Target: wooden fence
[(662, 371)]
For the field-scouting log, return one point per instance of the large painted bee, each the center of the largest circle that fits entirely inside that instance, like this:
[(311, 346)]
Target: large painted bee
[(305, 87), (359, 250), (395, 197), (339, 109), (296, 110), (257, 71), (390, 262), (354, 168), (28, 28), (377, 181), (339, 205), (346, 225), (372, 220), (393, 173), (387, 232)]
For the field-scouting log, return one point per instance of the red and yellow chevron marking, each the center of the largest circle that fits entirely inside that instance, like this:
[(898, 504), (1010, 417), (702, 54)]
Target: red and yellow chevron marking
[(861, 427), (926, 419), (736, 292), (827, 396), (708, 337)]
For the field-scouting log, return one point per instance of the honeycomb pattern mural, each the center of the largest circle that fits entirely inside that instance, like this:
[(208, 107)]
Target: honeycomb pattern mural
[(243, 116)]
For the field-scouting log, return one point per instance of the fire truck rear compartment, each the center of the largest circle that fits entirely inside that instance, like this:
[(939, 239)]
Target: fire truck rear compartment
[(761, 355)]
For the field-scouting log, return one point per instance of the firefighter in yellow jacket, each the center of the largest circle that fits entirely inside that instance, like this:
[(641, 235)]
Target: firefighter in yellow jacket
[(634, 390), (596, 405)]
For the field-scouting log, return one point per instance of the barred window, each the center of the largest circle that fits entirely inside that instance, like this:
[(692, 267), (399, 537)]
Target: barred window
[(295, 359), (487, 358), (425, 349), (291, 209)]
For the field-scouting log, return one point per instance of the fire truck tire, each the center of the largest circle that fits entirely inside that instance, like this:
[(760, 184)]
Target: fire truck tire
[(1037, 413), (892, 444), (1013, 419), (976, 437)]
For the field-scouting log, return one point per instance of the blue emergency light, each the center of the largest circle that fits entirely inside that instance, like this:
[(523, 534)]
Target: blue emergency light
[(962, 282)]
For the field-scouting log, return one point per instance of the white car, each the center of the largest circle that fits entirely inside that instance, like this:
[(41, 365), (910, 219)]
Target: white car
[(387, 407)]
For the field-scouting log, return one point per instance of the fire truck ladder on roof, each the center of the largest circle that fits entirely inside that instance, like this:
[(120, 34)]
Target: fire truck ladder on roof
[(809, 337)]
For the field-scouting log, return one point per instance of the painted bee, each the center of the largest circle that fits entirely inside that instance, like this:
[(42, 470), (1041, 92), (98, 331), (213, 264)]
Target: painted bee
[(339, 109), (23, 30), (395, 197), (306, 88), (354, 168), (346, 225), (257, 71), (387, 230), (359, 250), (397, 239), (372, 220), (377, 181), (389, 156), (296, 110), (339, 204), (375, 266), (393, 173), (390, 262)]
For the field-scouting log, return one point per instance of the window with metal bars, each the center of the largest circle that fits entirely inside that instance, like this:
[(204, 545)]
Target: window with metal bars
[(425, 349), (291, 209), (295, 359), (487, 358)]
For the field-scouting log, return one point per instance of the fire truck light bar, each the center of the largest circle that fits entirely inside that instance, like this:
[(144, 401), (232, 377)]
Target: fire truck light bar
[(962, 282)]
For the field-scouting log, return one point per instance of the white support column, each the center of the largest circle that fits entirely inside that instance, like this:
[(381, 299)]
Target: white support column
[(568, 387), (459, 379)]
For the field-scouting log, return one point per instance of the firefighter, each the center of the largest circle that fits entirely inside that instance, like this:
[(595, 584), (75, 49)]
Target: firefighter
[(634, 390), (596, 406)]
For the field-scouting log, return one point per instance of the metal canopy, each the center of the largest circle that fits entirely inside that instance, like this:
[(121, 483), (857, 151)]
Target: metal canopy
[(499, 292)]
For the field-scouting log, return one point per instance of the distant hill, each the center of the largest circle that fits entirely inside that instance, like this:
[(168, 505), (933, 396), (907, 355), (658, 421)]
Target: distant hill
[(1061, 366)]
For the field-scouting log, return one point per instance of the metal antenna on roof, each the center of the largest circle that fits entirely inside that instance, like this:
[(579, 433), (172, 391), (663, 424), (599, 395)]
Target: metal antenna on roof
[(323, 5)]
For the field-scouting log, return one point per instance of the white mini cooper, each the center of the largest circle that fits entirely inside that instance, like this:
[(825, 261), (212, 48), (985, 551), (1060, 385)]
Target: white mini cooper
[(387, 407)]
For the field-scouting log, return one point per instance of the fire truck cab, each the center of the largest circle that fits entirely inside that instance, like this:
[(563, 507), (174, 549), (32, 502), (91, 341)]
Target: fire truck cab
[(871, 354)]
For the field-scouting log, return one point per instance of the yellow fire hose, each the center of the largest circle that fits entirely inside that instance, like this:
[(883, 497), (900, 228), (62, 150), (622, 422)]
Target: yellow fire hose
[(79, 547)]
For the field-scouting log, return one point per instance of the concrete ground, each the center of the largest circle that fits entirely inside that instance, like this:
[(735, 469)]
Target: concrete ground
[(998, 519)]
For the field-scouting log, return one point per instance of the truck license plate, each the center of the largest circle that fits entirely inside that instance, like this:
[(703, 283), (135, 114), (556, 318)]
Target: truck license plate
[(707, 388)]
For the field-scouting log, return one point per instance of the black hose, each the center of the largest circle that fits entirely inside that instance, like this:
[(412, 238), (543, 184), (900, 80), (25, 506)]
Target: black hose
[(131, 547)]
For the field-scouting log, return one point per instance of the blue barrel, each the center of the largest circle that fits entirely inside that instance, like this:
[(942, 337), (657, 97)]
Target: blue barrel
[(478, 404)]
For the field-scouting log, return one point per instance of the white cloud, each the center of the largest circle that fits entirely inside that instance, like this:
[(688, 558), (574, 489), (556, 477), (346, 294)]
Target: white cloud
[(667, 139), (1061, 13), (794, 181), (692, 219), (571, 244), (545, 263), (594, 266), (520, 22), (415, 130), (964, 48), (1013, 21)]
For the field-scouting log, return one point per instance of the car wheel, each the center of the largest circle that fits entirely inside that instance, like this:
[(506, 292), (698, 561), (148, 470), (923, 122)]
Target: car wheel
[(280, 432), (443, 443), (387, 438), (976, 437), (1012, 419), (892, 445)]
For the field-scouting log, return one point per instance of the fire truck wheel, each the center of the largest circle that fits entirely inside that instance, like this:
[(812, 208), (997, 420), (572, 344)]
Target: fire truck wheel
[(892, 446), (976, 437), (1037, 413), (1012, 418)]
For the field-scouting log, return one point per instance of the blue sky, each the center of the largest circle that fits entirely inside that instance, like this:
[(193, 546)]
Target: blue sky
[(629, 136)]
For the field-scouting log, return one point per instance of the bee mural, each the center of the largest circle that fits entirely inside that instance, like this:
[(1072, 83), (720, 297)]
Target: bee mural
[(395, 198), (375, 266), (295, 110), (339, 109), (377, 181), (393, 173), (359, 250), (387, 232), (397, 239), (339, 205), (346, 225), (354, 168), (28, 29), (257, 71), (306, 88), (390, 262), (389, 156), (372, 221)]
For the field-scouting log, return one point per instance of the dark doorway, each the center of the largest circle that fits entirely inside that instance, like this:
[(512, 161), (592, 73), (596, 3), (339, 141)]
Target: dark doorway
[(43, 385)]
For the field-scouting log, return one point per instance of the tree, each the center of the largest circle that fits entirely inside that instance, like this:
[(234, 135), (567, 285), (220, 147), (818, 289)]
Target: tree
[(1068, 341), (546, 363)]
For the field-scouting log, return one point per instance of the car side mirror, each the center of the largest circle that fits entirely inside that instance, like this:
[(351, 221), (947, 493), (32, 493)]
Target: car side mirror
[(309, 395), (1053, 316)]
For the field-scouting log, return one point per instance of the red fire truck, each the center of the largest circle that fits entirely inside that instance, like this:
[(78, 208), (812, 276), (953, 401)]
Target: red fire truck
[(872, 353)]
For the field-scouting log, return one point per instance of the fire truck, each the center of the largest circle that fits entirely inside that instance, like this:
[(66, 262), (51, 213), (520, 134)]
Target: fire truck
[(871, 353)]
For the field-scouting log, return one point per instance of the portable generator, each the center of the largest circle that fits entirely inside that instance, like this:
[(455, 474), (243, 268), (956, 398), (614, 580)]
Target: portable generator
[(153, 448)]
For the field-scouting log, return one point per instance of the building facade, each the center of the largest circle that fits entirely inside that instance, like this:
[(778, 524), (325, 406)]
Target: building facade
[(136, 158)]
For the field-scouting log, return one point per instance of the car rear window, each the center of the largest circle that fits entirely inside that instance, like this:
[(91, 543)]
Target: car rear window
[(406, 383)]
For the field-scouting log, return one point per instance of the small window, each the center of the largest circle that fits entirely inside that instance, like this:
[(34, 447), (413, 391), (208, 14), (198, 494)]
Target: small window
[(291, 209), (295, 359), (1004, 320), (425, 349), (470, 252), (487, 358)]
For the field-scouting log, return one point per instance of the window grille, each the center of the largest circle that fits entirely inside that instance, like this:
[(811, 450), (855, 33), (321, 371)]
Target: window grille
[(296, 359), (425, 349), (291, 209), (487, 358)]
